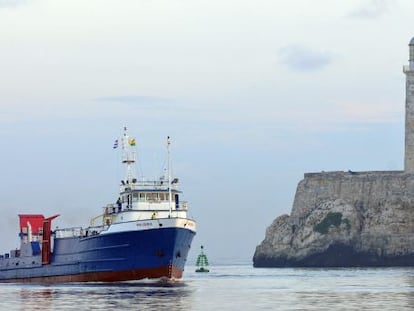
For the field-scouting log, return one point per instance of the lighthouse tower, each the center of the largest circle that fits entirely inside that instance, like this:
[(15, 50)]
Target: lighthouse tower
[(409, 111)]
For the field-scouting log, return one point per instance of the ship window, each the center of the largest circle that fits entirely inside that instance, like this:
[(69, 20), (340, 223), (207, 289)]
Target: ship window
[(151, 196), (162, 196), (135, 197), (142, 197)]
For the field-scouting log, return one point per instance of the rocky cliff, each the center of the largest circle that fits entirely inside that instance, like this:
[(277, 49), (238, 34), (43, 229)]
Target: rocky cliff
[(344, 219)]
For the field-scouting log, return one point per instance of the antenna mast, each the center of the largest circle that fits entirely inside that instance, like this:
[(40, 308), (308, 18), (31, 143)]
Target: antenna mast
[(128, 156), (169, 173)]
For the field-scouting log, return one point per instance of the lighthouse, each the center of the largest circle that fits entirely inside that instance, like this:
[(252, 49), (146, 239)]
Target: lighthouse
[(409, 111)]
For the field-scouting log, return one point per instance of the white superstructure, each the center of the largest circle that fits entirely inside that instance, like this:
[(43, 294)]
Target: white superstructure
[(141, 204)]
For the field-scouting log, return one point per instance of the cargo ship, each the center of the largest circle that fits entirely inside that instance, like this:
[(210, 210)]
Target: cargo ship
[(145, 234)]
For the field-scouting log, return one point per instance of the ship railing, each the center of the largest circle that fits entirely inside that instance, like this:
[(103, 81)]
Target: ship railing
[(69, 232), (148, 185), (156, 206), (78, 231)]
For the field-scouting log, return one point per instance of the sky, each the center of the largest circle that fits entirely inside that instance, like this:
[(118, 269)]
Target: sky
[(254, 93)]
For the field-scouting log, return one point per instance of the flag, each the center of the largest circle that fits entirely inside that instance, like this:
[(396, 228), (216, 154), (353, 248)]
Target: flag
[(131, 141), (115, 144)]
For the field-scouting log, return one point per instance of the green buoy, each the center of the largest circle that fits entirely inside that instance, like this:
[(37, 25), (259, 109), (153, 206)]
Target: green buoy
[(202, 262)]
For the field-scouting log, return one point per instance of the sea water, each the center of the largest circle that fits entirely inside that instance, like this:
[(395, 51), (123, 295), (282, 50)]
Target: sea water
[(229, 287)]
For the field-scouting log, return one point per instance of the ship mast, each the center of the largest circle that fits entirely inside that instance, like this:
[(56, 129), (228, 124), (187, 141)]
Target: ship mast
[(128, 155), (169, 174)]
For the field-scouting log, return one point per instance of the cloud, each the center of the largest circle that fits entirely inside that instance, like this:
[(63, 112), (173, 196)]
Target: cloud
[(300, 58), (373, 9), (369, 113), (344, 115), (135, 100), (11, 3)]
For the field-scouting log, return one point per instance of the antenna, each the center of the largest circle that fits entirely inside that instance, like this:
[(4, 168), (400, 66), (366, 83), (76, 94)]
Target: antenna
[(169, 173), (128, 156)]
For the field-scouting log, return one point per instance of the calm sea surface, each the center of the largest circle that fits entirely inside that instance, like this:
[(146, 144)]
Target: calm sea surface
[(229, 287)]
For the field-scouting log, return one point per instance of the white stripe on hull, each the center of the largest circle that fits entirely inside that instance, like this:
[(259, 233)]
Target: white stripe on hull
[(151, 224)]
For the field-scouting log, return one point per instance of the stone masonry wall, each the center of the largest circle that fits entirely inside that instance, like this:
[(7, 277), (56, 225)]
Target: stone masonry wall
[(345, 219)]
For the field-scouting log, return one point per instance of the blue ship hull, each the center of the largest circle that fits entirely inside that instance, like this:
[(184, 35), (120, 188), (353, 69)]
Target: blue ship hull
[(111, 257)]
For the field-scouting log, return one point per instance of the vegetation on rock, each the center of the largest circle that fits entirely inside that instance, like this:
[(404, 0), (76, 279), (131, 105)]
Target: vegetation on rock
[(331, 219)]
